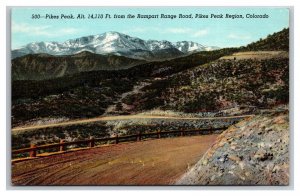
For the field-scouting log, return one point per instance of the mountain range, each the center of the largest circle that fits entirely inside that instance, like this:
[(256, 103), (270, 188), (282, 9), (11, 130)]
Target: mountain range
[(115, 43)]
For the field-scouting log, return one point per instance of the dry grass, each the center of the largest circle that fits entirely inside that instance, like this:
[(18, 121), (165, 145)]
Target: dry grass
[(257, 55)]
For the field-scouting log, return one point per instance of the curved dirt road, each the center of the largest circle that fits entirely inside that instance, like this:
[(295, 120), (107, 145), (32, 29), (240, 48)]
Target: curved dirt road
[(152, 162), (124, 117)]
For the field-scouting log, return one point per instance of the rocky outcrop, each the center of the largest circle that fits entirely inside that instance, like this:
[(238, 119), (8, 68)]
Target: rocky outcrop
[(252, 152)]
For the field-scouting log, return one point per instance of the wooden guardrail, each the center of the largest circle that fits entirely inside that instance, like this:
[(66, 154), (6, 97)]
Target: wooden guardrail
[(62, 145)]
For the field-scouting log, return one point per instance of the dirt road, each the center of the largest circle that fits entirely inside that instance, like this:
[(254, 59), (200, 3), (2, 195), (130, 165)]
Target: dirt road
[(124, 117), (152, 162), (257, 55)]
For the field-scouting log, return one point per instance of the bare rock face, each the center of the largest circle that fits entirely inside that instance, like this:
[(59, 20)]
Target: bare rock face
[(252, 152)]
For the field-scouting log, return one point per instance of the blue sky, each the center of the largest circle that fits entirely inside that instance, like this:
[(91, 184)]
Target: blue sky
[(211, 32)]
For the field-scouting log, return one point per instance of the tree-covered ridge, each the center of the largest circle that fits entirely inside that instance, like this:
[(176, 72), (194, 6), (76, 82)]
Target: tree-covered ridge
[(276, 41)]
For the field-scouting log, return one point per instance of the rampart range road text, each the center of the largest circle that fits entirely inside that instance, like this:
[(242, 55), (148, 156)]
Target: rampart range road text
[(146, 16)]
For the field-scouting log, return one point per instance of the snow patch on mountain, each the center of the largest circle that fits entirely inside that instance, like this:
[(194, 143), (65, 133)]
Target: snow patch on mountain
[(112, 43)]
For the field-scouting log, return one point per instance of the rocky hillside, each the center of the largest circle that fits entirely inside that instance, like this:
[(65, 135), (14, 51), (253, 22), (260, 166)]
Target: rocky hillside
[(224, 83), (44, 66), (252, 152)]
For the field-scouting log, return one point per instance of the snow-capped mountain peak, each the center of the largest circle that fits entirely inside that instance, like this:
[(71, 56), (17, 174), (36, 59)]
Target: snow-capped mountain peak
[(113, 42), (110, 37)]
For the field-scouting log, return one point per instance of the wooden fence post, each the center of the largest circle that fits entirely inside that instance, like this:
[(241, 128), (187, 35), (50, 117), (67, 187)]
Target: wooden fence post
[(62, 146), (34, 149), (92, 142), (140, 136), (32, 153), (211, 130), (117, 139)]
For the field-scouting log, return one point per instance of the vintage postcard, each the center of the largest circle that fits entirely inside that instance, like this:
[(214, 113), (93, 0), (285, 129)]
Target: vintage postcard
[(150, 96)]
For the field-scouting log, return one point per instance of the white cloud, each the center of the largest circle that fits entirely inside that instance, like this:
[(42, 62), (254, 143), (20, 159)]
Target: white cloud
[(238, 36), (44, 30), (200, 33), (136, 30), (141, 30), (189, 31), (177, 30), (68, 30), (26, 28)]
